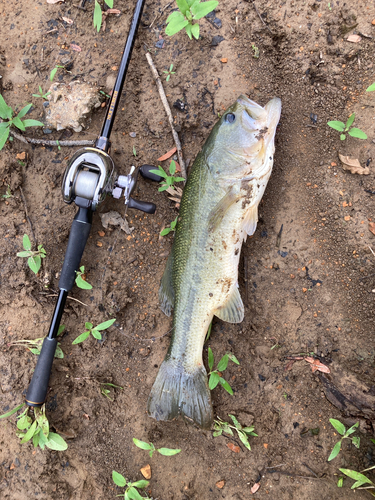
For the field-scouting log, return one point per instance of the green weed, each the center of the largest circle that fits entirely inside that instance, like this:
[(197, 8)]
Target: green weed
[(34, 258), (81, 279), (169, 73), (131, 492), (371, 88), (255, 51), (35, 346), (340, 428), (54, 71), (6, 113), (8, 193), (95, 331), (215, 377), (106, 392), (243, 432), (98, 13), (168, 452), (342, 127), (170, 228), (189, 11), (169, 180), (41, 94), (360, 479)]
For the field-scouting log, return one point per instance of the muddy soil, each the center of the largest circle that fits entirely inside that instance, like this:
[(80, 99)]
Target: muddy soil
[(306, 276)]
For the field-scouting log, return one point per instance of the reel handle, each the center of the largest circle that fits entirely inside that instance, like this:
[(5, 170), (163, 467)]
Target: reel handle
[(144, 206)]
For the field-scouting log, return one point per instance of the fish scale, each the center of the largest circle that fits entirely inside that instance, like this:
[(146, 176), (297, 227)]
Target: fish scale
[(218, 210)]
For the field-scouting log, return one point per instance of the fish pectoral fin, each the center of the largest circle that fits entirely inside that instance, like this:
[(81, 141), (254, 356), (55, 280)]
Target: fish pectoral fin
[(251, 220), (233, 310), (166, 291), (218, 212)]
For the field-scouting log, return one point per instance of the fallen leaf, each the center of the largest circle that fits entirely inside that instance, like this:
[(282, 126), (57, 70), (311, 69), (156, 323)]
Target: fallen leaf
[(234, 447), (112, 11), (176, 194), (317, 365), (75, 47), (101, 233), (67, 20), (146, 471), (255, 488), (178, 166), (167, 155), (354, 38), (55, 1), (265, 445), (289, 365), (371, 226), (220, 484), (353, 165), (21, 156)]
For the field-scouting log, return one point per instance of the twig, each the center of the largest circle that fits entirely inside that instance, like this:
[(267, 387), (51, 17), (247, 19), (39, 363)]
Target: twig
[(71, 298), (260, 17), (307, 467), (160, 13), (27, 214), (169, 114), (372, 251), (44, 142)]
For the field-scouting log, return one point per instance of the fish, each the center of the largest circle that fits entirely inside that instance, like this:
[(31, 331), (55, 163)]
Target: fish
[(219, 209)]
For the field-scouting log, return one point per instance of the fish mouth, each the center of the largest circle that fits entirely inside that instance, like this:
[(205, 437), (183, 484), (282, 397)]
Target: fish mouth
[(270, 113), (254, 110)]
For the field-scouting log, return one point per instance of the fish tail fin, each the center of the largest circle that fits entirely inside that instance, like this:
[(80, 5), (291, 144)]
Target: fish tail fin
[(179, 392)]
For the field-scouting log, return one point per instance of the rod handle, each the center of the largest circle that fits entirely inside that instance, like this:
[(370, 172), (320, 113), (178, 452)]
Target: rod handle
[(37, 391)]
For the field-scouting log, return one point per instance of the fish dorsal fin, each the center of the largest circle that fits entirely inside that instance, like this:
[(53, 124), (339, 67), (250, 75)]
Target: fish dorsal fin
[(251, 220), (166, 291), (233, 310)]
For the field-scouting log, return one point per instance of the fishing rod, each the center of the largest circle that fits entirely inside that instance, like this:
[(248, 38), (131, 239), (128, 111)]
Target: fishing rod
[(89, 176)]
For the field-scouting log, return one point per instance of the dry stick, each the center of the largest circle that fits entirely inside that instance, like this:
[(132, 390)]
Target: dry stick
[(260, 17), (43, 142), (168, 111), (160, 13), (27, 214)]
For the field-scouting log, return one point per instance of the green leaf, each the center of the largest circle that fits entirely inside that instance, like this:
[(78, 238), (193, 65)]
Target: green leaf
[(340, 126), (97, 335), (165, 231), (88, 325), (32, 123), (226, 386), (168, 452), (81, 283), (24, 422), (141, 484), (175, 16), (183, 6), (343, 137), (18, 123), (26, 242), (178, 179), (338, 426), (160, 172), (143, 445), (195, 31), (4, 134), (335, 451), (105, 325), (371, 88), (356, 441), (36, 438), (201, 9), (59, 354), (172, 167), (223, 363), (164, 187), (233, 358), (188, 29), (81, 338), (109, 3), (350, 121), (25, 110), (23, 254), (5, 110), (53, 73), (56, 442), (34, 263), (30, 433), (118, 479), (217, 433), (60, 330), (355, 475), (249, 431), (210, 359), (175, 26), (133, 494), (340, 482), (42, 421), (244, 439), (358, 133), (236, 422), (352, 429), (213, 380)]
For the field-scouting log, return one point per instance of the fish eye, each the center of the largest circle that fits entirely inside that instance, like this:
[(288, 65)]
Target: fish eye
[(230, 117)]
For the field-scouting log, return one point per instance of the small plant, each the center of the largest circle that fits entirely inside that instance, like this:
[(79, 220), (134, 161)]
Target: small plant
[(54, 71), (35, 257), (81, 279), (341, 127), (215, 377), (37, 430), (95, 331), (131, 491), (8, 193), (169, 73), (169, 179), (134, 152), (41, 94), (360, 479), (189, 11), (6, 113), (170, 228), (340, 428), (168, 452), (243, 432), (98, 17), (371, 88), (35, 346), (255, 51), (106, 392)]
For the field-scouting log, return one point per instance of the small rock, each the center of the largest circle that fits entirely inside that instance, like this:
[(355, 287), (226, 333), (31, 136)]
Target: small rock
[(146, 471), (220, 484), (132, 134), (216, 40)]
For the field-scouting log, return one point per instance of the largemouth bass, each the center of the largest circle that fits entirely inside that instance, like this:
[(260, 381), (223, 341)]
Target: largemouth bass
[(219, 208)]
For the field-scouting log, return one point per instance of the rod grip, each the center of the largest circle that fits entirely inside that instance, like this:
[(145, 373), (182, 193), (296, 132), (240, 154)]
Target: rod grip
[(37, 391), (77, 241)]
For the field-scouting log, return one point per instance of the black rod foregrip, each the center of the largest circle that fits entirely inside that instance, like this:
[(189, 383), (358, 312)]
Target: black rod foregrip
[(77, 241), (37, 391)]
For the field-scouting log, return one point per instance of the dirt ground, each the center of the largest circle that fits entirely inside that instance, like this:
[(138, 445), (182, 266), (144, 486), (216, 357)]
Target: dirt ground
[(306, 276)]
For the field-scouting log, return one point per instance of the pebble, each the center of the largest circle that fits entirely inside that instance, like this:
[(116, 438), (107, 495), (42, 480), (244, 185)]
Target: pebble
[(133, 134)]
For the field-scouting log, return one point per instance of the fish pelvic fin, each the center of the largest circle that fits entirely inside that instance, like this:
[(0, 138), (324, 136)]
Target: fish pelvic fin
[(233, 310), (179, 392), (166, 291), (251, 220)]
